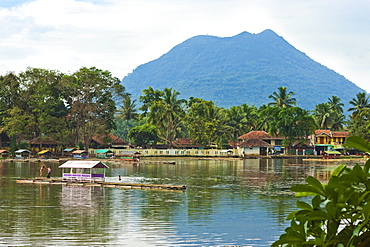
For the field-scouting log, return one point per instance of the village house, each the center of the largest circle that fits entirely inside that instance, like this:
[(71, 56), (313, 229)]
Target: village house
[(327, 140), (39, 144), (253, 147), (259, 143)]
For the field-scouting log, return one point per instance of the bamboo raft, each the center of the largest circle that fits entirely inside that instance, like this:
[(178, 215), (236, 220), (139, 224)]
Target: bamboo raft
[(103, 184)]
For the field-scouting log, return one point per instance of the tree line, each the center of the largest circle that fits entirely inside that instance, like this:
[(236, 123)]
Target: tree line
[(72, 108)]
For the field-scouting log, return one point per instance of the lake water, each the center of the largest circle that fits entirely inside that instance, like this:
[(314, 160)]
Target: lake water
[(227, 203)]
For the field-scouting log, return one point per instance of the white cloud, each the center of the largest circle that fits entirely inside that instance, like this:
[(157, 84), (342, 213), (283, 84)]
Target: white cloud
[(120, 35)]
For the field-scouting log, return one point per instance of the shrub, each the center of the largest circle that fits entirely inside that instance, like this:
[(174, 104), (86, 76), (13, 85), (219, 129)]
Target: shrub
[(339, 213)]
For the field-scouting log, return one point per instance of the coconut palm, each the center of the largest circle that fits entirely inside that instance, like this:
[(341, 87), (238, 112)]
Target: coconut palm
[(128, 112), (321, 115), (360, 102), (166, 112), (335, 105), (282, 98)]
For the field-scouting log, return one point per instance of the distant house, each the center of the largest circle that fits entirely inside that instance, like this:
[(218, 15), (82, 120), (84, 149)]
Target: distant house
[(104, 154), (38, 144), (253, 146), (22, 154), (274, 142), (108, 141), (4, 139), (326, 140), (4, 154)]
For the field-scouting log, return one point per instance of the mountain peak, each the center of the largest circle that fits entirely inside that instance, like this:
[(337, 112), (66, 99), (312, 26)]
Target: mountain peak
[(245, 68)]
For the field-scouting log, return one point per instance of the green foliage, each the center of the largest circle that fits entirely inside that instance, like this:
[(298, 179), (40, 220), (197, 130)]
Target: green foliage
[(144, 135), (339, 213), (282, 98), (165, 111), (359, 124), (329, 115)]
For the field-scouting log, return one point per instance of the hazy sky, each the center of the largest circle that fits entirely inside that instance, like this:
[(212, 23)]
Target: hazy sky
[(119, 35)]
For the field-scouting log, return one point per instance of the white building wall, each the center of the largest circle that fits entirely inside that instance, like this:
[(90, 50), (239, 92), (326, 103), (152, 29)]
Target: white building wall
[(177, 152)]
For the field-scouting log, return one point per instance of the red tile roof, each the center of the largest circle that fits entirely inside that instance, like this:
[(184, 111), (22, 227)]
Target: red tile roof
[(254, 143), (340, 133), (331, 133), (255, 135)]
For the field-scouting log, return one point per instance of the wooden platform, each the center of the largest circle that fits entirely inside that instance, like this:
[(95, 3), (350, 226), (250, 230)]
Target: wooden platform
[(103, 184)]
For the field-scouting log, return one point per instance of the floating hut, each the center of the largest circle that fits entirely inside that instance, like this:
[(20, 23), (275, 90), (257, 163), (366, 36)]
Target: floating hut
[(68, 151), (104, 154), (4, 154), (331, 154), (80, 154), (22, 154), (83, 170), (45, 154), (130, 156)]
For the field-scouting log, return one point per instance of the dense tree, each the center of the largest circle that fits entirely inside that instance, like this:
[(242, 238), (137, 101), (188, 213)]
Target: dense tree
[(204, 122), (293, 123), (240, 119), (266, 117), (282, 98), (359, 124), (144, 135), (36, 97), (10, 94), (165, 111), (90, 93)]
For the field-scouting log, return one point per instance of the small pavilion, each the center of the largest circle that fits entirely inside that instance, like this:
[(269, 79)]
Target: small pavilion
[(84, 171)]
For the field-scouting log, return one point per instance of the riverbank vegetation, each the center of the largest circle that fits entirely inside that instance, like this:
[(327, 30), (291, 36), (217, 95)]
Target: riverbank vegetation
[(71, 108), (339, 213)]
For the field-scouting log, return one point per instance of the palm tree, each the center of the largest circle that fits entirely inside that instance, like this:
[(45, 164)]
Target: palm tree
[(128, 112), (322, 115), (335, 105), (360, 102), (282, 98), (166, 112)]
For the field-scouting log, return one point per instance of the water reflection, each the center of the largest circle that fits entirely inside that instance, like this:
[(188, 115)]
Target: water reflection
[(228, 202)]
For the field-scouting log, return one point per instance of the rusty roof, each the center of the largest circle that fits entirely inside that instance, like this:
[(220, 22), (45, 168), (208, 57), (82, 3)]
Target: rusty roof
[(39, 140), (114, 139)]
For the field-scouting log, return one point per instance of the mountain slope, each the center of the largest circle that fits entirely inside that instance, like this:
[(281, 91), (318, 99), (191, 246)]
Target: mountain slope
[(245, 68)]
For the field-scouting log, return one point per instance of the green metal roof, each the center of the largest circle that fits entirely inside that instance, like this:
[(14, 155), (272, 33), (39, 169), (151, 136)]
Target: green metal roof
[(333, 152), (103, 151)]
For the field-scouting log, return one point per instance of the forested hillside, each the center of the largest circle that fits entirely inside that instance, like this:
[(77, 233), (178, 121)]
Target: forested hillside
[(245, 68)]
